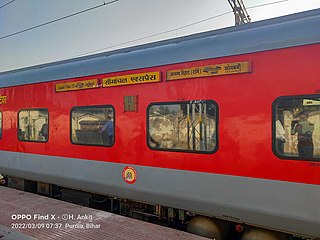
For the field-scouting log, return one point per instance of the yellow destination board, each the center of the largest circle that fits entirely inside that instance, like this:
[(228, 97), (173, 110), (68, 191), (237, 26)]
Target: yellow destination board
[(147, 77), (79, 85), (209, 70)]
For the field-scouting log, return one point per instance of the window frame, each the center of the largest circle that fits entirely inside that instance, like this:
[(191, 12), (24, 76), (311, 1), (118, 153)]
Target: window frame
[(183, 150), (33, 109), (273, 129), (93, 106)]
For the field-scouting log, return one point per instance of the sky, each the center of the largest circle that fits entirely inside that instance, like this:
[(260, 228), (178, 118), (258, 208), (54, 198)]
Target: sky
[(119, 24)]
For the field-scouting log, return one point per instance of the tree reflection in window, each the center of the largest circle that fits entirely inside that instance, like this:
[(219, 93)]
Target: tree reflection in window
[(185, 126)]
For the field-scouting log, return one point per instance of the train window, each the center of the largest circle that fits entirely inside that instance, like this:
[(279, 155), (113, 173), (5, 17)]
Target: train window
[(296, 128), (92, 125), (0, 125), (183, 126), (33, 125)]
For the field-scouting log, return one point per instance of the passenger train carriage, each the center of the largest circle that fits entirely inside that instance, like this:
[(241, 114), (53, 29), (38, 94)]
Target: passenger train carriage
[(217, 128)]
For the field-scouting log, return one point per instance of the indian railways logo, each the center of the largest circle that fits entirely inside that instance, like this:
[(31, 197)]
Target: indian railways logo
[(129, 175)]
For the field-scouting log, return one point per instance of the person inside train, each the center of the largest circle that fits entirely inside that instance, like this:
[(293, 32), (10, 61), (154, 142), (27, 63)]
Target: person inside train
[(304, 128), (22, 135), (107, 132), (44, 131), (2, 181), (280, 135), (153, 143)]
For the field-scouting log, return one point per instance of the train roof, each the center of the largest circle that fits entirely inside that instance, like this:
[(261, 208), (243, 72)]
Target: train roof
[(282, 32)]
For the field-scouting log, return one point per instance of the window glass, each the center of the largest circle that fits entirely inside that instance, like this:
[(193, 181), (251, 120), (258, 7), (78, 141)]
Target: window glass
[(184, 126), (33, 125), (92, 125), (297, 127)]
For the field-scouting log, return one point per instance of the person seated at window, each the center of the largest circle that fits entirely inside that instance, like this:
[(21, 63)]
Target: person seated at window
[(304, 128), (2, 181), (44, 131), (107, 132), (22, 134), (280, 135)]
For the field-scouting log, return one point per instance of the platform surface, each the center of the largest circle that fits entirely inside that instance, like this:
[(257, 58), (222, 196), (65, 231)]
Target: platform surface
[(47, 218)]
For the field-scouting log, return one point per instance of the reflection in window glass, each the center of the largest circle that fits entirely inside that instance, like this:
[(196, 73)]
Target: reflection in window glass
[(297, 127), (185, 126), (92, 125), (33, 125)]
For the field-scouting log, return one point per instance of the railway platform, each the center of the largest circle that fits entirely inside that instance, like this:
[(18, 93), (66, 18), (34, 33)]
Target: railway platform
[(27, 216)]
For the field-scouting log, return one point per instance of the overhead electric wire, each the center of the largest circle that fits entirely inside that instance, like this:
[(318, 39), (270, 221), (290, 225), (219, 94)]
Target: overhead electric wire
[(154, 35), (266, 4), (134, 40), (6, 4), (58, 19), (172, 30)]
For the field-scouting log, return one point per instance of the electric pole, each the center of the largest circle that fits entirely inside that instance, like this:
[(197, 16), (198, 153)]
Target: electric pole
[(240, 13)]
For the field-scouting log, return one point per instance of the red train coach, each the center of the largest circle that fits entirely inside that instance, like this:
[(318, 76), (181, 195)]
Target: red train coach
[(222, 124)]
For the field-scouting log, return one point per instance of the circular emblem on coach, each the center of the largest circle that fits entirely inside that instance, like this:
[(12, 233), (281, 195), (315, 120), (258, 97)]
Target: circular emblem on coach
[(129, 175)]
